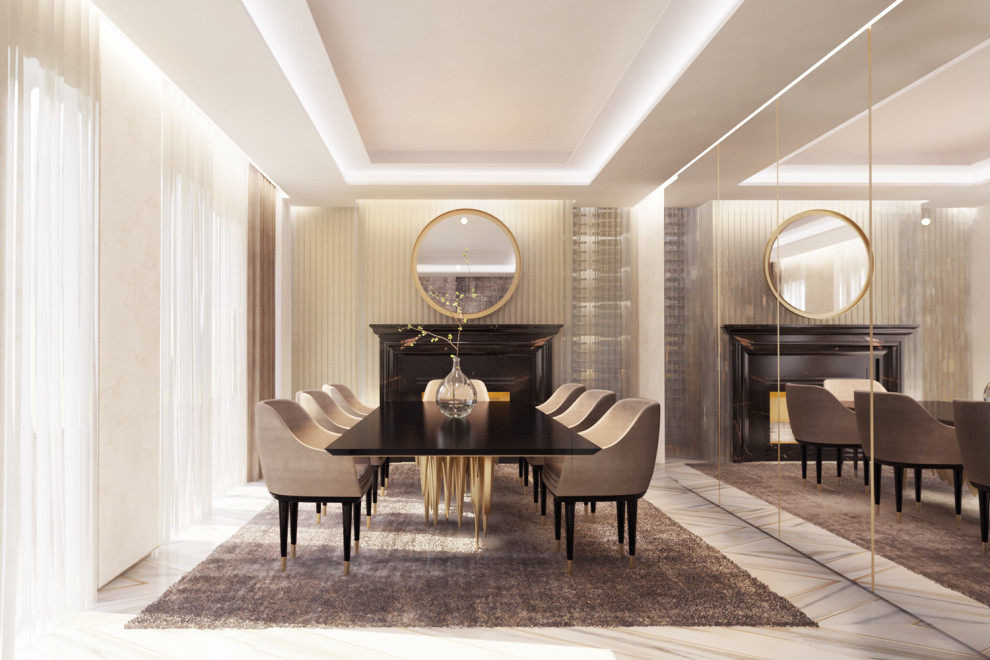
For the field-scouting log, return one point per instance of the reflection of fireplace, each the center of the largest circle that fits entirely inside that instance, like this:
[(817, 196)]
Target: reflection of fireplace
[(808, 354)]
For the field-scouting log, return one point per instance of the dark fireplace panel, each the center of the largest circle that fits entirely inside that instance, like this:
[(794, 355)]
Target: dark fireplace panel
[(517, 359), (808, 355)]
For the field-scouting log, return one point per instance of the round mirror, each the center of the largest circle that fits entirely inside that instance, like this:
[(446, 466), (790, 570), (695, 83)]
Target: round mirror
[(466, 263), (818, 263)]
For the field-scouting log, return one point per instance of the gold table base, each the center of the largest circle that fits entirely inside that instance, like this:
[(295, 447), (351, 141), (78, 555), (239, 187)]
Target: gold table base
[(443, 478)]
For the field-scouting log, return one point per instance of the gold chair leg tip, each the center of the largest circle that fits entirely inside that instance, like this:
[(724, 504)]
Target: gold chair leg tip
[(839, 481), (558, 546), (570, 566), (917, 506), (632, 561), (985, 548), (292, 553), (374, 508), (357, 547), (369, 522), (959, 519), (347, 568), (819, 488), (319, 519), (899, 517), (283, 563)]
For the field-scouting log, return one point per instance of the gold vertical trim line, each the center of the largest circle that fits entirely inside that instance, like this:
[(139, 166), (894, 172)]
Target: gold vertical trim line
[(718, 316), (869, 150), (777, 165)]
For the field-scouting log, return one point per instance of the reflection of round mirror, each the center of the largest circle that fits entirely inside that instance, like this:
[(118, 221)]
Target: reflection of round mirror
[(468, 259), (818, 263)]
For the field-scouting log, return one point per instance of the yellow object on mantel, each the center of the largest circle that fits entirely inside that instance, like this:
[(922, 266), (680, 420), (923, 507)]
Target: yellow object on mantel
[(498, 396)]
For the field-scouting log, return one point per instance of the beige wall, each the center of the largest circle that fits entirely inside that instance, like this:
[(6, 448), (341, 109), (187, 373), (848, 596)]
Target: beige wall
[(979, 301), (129, 313), (648, 294), (353, 269)]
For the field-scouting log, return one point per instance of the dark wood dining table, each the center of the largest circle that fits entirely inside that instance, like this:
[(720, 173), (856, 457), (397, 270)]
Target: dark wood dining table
[(455, 453)]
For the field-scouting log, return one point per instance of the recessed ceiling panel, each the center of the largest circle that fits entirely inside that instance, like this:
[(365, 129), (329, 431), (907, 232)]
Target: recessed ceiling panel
[(499, 82)]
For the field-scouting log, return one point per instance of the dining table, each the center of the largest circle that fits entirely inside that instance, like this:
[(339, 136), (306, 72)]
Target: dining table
[(457, 455)]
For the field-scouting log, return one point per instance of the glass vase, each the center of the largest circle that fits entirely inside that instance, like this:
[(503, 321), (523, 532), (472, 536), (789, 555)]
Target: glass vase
[(456, 395)]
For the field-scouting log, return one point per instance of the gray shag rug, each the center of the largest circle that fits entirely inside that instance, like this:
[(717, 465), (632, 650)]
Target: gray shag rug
[(927, 542), (410, 574)]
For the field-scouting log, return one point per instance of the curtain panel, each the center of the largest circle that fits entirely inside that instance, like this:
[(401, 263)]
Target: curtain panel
[(49, 145), (204, 313), (261, 305)]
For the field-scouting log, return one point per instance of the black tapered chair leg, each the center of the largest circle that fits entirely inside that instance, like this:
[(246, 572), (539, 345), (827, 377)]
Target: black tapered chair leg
[(838, 463), (917, 488), (556, 521), (984, 497), (543, 499), (957, 492), (818, 466), (876, 483), (632, 505), (376, 474), (620, 515), (525, 467), (357, 523), (855, 459), (293, 525), (866, 471), (898, 490), (283, 529), (367, 507), (537, 482), (522, 461), (347, 508), (804, 463), (569, 515)]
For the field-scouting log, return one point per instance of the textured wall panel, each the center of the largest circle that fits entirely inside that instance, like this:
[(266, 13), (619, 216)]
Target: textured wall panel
[(352, 269), (324, 334)]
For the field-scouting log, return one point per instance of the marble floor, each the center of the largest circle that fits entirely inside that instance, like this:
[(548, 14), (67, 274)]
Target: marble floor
[(902, 616)]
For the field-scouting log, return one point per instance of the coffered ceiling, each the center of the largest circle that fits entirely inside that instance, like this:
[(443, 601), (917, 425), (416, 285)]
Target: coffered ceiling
[(597, 101)]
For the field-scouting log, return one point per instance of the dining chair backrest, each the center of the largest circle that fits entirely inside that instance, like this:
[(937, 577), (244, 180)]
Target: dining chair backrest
[(587, 409), (903, 431), (843, 388), (346, 400), (818, 417), (629, 435), (291, 448), (972, 421), (561, 399), (325, 411)]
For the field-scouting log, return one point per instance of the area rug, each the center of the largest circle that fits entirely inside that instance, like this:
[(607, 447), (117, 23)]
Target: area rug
[(411, 574), (928, 542)]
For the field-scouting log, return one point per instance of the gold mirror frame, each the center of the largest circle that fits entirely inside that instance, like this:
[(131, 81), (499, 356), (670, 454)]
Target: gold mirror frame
[(495, 221), (768, 275)]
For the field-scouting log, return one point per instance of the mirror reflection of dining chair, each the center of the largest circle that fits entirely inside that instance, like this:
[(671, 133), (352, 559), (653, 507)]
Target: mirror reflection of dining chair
[(297, 468), (559, 401), (972, 421), (584, 413), (905, 435), (819, 420), (629, 434), (843, 389), (324, 411)]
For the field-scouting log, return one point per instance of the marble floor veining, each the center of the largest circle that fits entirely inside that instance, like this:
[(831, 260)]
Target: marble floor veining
[(903, 615)]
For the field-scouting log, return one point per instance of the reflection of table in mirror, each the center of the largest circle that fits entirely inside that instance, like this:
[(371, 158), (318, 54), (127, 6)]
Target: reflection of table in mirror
[(454, 454), (940, 410)]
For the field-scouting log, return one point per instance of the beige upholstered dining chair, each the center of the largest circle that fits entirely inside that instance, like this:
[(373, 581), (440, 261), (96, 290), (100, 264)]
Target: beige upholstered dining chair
[(297, 469), (584, 413), (905, 435), (328, 414), (628, 434), (346, 400), (972, 422), (819, 420), (559, 401), (843, 389)]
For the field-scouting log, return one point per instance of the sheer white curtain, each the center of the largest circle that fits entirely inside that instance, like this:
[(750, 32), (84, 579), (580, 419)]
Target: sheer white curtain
[(49, 105), (204, 313)]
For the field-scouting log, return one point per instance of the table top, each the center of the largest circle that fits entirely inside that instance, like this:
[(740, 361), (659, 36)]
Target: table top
[(940, 410), (496, 428)]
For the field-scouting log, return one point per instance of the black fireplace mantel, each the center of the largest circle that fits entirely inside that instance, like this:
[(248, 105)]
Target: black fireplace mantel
[(808, 354), (513, 358)]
